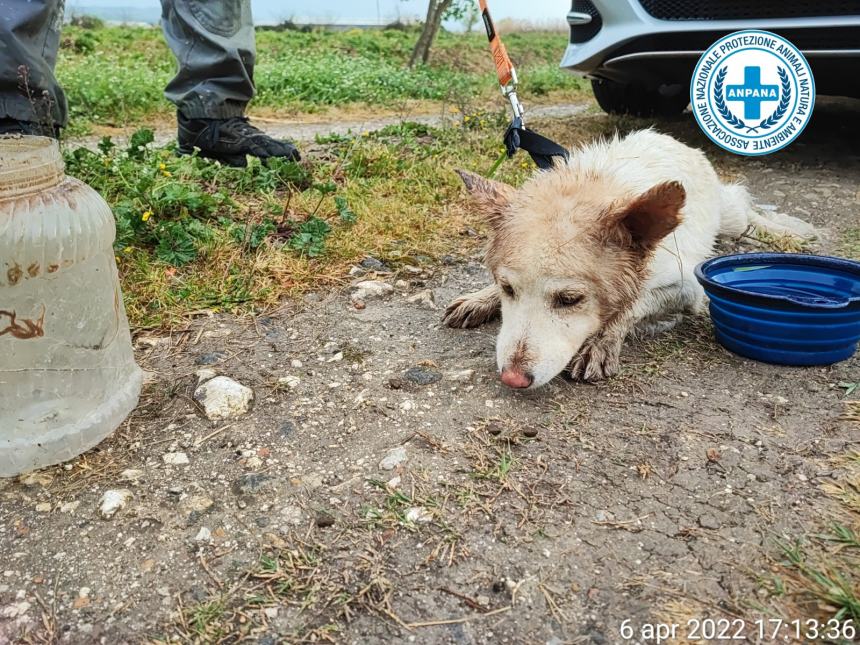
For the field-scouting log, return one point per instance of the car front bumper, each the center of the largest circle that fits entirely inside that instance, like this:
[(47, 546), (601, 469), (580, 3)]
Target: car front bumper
[(619, 40)]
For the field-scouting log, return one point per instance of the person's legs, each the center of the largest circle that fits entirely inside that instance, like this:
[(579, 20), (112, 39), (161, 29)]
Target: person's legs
[(31, 100), (213, 41)]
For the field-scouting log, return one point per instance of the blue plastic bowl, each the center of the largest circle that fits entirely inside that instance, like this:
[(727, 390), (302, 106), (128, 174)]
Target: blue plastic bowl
[(784, 308)]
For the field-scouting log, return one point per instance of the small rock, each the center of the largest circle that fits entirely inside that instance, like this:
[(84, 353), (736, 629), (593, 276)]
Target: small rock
[(204, 375), (203, 535), (293, 515), (44, 507), (252, 483), (210, 358), (114, 500), (422, 375), (393, 459), (224, 398), (463, 376), (253, 462), (324, 519), (175, 458), (271, 613), (424, 298), (418, 515), (370, 263), (401, 284), (530, 431), (296, 363), (196, 504), (131, 475), (603, 516), (70, 507), (287, 428), (368, 289), (289, 381)]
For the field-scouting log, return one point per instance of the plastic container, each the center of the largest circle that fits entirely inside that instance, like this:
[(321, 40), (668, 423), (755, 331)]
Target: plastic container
[(67, 371), (784, 308)]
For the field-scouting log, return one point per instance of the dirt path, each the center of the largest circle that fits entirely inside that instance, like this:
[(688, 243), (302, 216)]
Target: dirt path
[(309, 130), (363, 502)]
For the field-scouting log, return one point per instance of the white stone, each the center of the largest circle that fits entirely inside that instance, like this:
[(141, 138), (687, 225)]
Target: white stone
[(289, 381), (43, 507), (131, 475), (418, 514), (205, 374), (461, 376), (296, 363), (371, 289), (203, 535), (393, 459), (113, 500), (70, 507), (424, 298), (175, 458), (223, 398)]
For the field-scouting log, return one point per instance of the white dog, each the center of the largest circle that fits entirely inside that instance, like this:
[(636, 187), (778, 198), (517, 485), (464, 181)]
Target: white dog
[(596, 248)]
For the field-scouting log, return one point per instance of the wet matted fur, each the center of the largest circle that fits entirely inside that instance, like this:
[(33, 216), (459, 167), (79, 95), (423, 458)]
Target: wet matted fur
[(600, 246)]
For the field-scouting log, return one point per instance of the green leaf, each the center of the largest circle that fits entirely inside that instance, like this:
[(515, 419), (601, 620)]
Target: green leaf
[(346, 214)]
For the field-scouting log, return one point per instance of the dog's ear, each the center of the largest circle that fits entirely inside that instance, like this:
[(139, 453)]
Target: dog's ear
[(645, 221), (491, 197)]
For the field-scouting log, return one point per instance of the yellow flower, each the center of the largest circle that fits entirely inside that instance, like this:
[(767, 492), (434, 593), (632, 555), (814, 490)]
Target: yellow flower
[(166, 173), (162, 166), (128, 249), (146, 216)]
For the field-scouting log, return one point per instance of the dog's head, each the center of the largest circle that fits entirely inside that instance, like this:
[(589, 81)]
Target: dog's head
[(569, 254)]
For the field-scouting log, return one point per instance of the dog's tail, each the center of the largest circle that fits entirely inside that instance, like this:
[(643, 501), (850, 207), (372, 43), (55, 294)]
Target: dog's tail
[(737, 215)]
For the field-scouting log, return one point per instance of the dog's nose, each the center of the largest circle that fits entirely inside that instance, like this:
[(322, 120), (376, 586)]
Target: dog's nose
[(516, 379)]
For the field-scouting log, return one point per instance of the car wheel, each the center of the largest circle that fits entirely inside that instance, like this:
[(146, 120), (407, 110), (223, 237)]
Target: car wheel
[(638, 100)]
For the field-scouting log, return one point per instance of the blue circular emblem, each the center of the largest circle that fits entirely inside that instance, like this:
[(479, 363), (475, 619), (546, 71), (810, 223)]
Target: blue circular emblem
[(752, 92)]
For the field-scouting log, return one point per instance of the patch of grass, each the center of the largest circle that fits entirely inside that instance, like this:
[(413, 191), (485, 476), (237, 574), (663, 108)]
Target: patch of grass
[(783, 243), (830, 587), (819, 576), (116, 76), (851, 243), (195, 235)]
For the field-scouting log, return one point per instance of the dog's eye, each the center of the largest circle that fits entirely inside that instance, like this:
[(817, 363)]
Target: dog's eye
[(565, 300), (507, 289)]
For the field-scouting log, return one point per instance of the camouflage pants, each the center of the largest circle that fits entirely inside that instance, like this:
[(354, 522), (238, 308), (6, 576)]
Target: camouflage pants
[(212, 40)]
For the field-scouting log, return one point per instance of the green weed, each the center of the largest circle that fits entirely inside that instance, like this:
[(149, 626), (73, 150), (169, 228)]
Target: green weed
[(115, 76)]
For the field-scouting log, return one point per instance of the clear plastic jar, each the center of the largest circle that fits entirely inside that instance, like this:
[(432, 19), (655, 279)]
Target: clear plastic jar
[(67, 371)]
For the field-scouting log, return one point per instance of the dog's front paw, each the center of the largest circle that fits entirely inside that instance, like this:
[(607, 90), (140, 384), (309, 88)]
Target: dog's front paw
[(473, 309), (597, 360)]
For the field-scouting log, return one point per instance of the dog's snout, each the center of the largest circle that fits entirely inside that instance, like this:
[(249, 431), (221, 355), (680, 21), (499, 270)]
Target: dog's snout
[(517, 379)]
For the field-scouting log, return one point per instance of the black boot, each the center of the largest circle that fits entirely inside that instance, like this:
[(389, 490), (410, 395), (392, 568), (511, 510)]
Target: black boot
[(13, 126), (230, 141)]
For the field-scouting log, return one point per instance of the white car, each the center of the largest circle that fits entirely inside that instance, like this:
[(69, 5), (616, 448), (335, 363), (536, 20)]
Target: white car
[(640, 54)]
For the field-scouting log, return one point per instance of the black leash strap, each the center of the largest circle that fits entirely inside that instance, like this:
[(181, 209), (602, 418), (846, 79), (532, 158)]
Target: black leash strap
[(542, 150)]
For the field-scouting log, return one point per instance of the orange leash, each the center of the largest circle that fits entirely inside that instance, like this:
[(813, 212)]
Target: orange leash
[(504, 67), (542, 150)]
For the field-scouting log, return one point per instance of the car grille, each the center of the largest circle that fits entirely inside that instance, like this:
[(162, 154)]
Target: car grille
[(748, 9), (698, 41), (584, 33)]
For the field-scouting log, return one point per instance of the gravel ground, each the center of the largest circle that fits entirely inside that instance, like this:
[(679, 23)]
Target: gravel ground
[(385, 487)]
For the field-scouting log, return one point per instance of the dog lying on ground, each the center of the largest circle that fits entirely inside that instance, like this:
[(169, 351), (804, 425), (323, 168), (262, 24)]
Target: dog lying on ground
[(598, 248)]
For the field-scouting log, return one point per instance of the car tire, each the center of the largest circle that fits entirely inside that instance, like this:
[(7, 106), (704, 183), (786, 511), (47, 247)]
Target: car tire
[(638, 100)]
